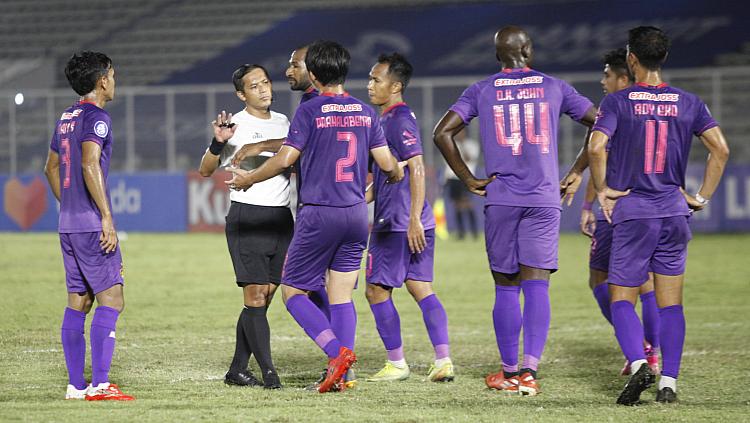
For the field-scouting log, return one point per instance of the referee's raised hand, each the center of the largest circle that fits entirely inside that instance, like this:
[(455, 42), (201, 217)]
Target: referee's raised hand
[(223, 127)]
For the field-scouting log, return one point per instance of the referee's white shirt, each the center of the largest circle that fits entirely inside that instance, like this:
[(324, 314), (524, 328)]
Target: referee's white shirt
[(250, 129)]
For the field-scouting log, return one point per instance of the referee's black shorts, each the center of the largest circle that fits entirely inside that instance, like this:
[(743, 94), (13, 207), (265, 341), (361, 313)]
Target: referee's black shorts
[(258, 237)]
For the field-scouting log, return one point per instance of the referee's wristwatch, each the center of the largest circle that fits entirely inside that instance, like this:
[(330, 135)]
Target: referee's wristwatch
[(700, 199)]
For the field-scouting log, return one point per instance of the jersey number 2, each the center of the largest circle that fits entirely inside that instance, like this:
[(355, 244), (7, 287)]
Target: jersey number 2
[(343, 175), (658, 137), (513, 138)]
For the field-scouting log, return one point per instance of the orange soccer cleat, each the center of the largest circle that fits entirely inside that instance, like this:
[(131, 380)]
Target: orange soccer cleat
[(107, 392), (337, 368), (501, 383), (527, 384)]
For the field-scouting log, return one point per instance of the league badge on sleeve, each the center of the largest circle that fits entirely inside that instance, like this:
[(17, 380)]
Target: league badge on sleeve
[(101, 129)]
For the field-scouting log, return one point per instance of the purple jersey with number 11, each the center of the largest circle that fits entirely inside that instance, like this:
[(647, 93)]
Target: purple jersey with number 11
[(519, 111), (650, 129), (335, 134), (80, 123)]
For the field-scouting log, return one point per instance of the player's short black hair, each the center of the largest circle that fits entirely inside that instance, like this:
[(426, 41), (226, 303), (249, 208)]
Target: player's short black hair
[(84, 68), (650, 45), (398, 68), (329, 61), (237, 75), (616, 59)]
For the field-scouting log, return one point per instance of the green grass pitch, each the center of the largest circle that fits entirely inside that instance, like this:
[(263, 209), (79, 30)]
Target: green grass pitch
[(176, 337)]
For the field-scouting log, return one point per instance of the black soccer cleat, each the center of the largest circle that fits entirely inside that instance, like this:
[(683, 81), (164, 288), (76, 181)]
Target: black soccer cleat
[(271, 380), (314, 386), (638, 382), (666, 396), (241, 378)]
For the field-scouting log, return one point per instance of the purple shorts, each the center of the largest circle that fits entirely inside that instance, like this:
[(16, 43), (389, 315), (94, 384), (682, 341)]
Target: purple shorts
[(521, 236), (390, 263), (601, 245), (640, 246), (325, 238), (87, 267)]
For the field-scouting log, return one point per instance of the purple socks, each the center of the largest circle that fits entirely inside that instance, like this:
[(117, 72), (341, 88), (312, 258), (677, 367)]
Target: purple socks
[(74, 345), (601, 293), (314, 323), (628, 330), (320, 299), (650, 315), (344, 323), (506, 316), (536, 319), (388, 323), (102, 343), (436, 322), (672, 339)]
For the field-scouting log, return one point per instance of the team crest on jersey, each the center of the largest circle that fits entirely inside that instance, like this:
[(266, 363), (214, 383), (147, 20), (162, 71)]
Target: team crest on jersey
[(101, 129)]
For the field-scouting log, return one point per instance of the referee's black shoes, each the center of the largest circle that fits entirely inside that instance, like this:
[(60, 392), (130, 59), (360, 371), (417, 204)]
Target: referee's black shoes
[(241, 378), (271, 380)]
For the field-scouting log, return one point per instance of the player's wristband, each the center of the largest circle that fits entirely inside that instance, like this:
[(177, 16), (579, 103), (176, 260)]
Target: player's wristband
[(216, 147), (588, 205)]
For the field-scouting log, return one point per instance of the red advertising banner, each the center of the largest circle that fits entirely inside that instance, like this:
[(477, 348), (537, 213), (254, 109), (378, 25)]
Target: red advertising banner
[(208, 201)]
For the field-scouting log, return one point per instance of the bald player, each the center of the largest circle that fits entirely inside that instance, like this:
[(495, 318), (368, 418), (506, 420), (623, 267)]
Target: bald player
[(518, 110)]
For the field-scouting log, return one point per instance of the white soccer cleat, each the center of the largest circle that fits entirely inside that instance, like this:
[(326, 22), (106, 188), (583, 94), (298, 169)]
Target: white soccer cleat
[(76, 394)]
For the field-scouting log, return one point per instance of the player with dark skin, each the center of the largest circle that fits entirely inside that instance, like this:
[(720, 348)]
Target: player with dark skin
[(92, 173), (296, 74), (513, 49)]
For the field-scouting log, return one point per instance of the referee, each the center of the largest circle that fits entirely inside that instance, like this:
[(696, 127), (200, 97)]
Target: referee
[(259, 223)]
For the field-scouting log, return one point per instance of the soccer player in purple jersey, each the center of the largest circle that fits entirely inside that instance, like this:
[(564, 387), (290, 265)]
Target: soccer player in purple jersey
[(77, 168), (519, 110), (594, 225), (402, 243), (331, 136), (648, 129)]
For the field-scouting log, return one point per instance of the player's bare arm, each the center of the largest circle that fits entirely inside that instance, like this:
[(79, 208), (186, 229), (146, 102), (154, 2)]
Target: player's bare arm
[(570, 183), (388, 164), (94, 178), (451, 124), (598, 163), (255, 149), (370, 193), (223, 130), (243, 179), (718, 155), (415, 231), (52, 171), (588, 220)]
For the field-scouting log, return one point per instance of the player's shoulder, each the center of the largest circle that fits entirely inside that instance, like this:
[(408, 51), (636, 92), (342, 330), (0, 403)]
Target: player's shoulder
[(279, 117), (92, 111), (404, 113)]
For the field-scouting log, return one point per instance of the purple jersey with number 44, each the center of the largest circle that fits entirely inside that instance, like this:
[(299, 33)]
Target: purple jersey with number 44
[(650, 129), (519, 111), (80, 123), (335, 134)]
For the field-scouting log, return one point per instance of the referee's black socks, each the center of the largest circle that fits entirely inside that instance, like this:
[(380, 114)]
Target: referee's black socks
[(258, 335), (242, 349)]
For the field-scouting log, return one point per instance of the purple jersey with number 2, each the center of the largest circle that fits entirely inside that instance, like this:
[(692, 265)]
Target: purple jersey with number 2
[(335, 134), (82, 122), (650, 129), (519, 111)]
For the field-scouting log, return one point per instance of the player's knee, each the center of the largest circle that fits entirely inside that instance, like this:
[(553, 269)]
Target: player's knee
[(376, 294), (419, 290)]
